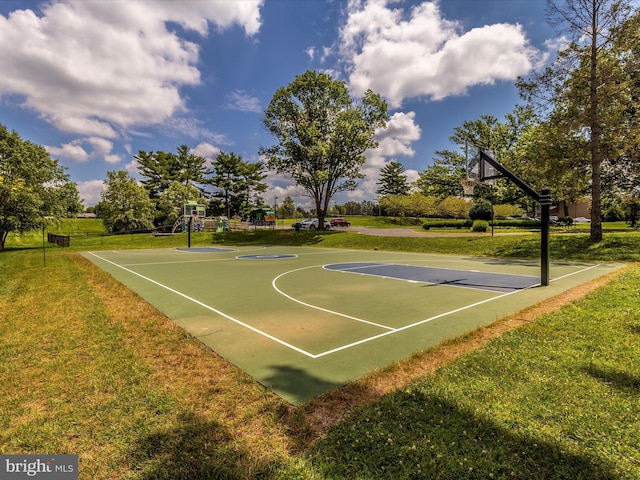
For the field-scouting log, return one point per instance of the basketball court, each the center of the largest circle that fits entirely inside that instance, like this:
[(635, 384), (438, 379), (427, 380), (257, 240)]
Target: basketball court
[(305, 320)]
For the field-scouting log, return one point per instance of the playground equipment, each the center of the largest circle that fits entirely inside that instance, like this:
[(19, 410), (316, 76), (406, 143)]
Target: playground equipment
[(194, 218), (262, 217)]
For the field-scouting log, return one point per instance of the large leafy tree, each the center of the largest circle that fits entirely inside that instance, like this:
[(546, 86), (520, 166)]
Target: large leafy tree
[(33, 187), (170, 204), (579, 93), (622, 172), (392, 181), (125, 205), (442, 178), (556, 161), (322, 135)]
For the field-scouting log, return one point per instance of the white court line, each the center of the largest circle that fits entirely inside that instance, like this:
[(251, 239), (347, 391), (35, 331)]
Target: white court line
[(273, 284), (577, 271), (421, 322), (343, 347), (426, 320), (228, 317), (179, 262)]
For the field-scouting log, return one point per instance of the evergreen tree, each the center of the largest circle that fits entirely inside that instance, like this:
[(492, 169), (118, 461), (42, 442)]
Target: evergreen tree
[(160, 169), (392, 181), (287, 209), (227, 177)]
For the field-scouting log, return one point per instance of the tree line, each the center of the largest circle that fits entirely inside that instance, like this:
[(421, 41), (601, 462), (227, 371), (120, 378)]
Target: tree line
[(576, 133), (229, 186)]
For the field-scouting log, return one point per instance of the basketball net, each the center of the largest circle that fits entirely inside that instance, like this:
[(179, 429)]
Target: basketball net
[(468, 186)]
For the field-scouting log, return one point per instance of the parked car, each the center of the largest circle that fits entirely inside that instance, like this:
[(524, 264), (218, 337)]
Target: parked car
[(339, 222), (310, 224), (581, 220)]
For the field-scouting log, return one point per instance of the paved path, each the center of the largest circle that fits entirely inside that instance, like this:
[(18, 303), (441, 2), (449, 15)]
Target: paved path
[(416, 232), (398, 232)]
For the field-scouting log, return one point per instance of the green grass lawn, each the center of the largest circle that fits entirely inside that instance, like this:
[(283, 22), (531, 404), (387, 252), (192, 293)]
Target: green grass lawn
[(89, 368)]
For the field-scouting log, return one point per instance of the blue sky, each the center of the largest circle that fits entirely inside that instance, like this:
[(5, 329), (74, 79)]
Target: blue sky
[(97, 81)]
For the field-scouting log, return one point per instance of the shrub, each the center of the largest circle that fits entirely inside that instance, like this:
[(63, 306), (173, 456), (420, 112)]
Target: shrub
[(452, 207), (507, 210), (480, 226), (447, 224), (481, 210), (613, 213), (517, 223)]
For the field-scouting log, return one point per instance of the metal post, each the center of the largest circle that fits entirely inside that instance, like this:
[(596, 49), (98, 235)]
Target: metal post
[(545, 203), (189, 232)]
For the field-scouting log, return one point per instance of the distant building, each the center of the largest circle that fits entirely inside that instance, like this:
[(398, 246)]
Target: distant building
[(581, 208)]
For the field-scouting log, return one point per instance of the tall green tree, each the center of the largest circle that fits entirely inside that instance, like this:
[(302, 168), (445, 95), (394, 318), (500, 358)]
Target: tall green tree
[(287, 209), (34, 188), (622, 171), (253, 175), (442, 178), (125, 205), (191, 169), (227, 176), (392, 181), (170, 204), (550, 159), (582, 77), (160, 169), (322, 135)]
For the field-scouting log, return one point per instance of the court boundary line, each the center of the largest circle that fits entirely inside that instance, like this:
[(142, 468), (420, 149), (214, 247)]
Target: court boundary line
[(208, 307), (343, 347), (435, 317)]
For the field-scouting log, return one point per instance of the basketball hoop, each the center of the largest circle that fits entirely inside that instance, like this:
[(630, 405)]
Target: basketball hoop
[(468, 186)]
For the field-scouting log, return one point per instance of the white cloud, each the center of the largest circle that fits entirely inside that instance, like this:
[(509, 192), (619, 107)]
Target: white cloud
[(206, 151), (70, 151), (99, 148), (418, 53), (242, 101), (193, 128), (97, 68), (90, 191), (310, 52), (394, 141)]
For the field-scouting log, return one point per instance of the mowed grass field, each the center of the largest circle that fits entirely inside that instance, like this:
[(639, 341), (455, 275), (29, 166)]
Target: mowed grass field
[(89, 368)]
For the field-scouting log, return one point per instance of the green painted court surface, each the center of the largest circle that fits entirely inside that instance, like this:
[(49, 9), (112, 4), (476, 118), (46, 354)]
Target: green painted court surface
[(304, 320)]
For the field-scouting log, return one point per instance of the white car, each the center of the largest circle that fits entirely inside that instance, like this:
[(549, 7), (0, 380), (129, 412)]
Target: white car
[(312, 224), (581, 220)]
